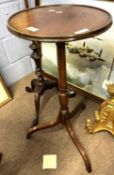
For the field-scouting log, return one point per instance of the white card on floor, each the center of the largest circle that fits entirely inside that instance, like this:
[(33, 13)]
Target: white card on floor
[(105, 83), (50, 161)]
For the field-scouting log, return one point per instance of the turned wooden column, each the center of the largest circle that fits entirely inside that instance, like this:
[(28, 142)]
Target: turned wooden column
[(37, 57), (38, 84), (37, 3), (62, 81)]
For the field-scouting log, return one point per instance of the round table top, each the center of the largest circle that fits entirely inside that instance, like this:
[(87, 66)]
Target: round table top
[(59, 23)]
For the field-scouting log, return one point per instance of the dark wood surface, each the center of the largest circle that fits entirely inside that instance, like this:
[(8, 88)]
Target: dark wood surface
[(26, 2), (60, 22)]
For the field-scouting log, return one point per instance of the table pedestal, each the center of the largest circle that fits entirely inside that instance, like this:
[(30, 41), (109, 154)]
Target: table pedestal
[(39, 85)]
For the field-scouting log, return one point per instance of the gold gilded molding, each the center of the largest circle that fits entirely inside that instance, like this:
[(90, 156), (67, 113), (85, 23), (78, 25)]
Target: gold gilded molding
[(5, 95), (104, 117)]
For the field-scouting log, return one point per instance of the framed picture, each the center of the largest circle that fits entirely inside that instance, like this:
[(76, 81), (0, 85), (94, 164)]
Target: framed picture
[(4, 93)]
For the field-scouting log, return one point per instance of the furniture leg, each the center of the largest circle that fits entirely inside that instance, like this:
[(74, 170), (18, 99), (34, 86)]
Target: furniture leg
[(62, 82), (38, 92), (63, 98), (40, 85), (78, 144), (79, 107), (37, 3), (42, 126)]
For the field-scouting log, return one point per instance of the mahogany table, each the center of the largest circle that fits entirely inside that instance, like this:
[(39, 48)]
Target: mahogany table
[(58, 24)]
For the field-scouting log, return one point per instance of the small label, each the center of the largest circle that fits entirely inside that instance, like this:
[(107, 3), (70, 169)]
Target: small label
[(50, 161), (105, 83), (81, 31), (51, 10), (59, 12), (32, 29)]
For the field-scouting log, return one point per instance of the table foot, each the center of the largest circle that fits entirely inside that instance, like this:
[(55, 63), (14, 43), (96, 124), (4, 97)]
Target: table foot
[(32, 87), (78, 144), (41, 127), (47, 84), (71, 93)]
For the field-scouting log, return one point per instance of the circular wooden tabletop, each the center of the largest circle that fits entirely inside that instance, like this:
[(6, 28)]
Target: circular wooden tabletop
[(59, 23)]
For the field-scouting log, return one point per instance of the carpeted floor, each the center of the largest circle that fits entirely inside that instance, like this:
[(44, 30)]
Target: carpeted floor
[(24, 157)]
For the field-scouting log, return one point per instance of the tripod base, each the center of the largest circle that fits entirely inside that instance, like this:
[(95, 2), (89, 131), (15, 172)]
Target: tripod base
[(70, 130)]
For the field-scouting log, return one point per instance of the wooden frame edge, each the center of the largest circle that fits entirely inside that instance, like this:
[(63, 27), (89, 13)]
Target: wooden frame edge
[(6, 91)]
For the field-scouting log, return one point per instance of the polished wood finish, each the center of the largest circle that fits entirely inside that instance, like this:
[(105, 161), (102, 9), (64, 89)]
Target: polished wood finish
[(50, 23), (62, 82), (37, 3), (59, 24), (38, 85), (77, 143), (64, 113)]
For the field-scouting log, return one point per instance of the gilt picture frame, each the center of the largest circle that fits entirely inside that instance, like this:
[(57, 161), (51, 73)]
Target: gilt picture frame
[(5, 95)]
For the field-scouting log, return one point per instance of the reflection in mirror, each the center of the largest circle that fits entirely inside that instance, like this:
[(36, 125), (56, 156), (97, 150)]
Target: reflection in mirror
[(89, 61)]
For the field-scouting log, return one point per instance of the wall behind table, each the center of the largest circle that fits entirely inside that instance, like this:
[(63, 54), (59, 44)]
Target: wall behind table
[(15, 61)]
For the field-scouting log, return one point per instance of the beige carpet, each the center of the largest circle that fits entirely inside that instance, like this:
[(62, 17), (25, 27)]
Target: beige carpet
[(24, 157)]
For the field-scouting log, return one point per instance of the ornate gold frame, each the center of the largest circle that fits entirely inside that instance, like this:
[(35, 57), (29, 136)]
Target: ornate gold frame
[(5, 95)]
